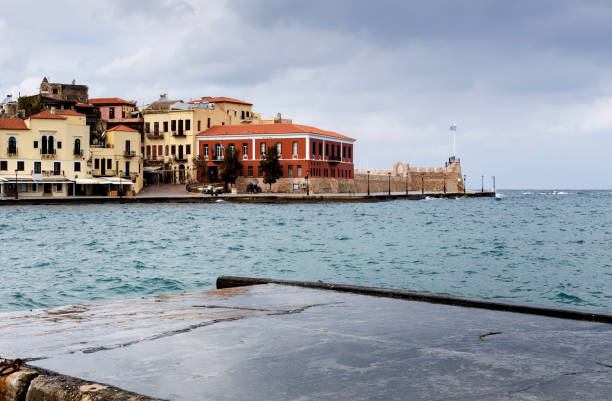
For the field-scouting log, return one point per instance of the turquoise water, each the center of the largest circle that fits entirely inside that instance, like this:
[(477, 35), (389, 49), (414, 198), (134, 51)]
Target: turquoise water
[(526, 247)]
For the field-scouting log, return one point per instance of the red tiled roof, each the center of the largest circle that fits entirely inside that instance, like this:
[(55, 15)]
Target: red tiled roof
[(122, 128), (70, 113), (220, 100), (12, 123), (83, 105), (109, 100), (45, 115), (266, 129)]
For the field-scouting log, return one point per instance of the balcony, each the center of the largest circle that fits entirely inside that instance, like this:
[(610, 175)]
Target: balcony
[(217, 158), (129, 153), (106, 173), (77, 152), (181, 159), (178, 133), (334, 159), (155, 135), (154, 161), (48, 153), (12, 151), (53, 173)]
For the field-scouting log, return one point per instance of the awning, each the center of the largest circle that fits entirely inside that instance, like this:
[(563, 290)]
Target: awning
[(118, 181), (149, 169), (91, 181)]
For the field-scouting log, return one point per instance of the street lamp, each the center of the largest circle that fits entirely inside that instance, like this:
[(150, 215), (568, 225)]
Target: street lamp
[(16, 187), (120, 185), (368, 182), (444, 181), (422, 183), (307, 189), (482, 184), (406, 184), (389, 174), (464, 182)]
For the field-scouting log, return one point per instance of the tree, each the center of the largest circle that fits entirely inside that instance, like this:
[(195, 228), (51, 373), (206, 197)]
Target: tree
[(231, 166), (31, 104), (270, 166), (201, 166)]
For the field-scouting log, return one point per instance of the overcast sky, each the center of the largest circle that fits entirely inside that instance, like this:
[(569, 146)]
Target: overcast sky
[(528, 83)]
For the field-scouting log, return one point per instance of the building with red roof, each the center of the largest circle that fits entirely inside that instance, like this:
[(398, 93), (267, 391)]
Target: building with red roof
[(304, 150)]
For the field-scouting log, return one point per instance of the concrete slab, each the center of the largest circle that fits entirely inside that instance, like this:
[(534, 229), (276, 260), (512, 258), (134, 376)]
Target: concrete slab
[(275, 342)]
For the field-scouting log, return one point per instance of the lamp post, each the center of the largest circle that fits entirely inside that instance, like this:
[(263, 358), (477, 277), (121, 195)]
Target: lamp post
[(174, 176), (16, 187), (444, 181), (406, 184), (422, 183), (307, 189), (368, 182), (389, 175), (120, 185), (464, 183), (482, 184)]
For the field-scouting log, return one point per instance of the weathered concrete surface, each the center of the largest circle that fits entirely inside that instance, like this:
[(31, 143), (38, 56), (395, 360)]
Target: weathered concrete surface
[(14, 387), (272, 342)]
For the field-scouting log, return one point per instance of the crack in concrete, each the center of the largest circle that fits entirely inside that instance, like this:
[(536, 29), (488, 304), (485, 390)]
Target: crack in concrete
[(189, 328), (491, 333)]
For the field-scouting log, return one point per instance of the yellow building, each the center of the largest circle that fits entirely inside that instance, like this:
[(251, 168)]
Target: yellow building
[(119, 159), (44, 154), (170, 129), (48, 154)]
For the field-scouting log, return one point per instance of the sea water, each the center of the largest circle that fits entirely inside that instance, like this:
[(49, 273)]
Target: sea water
[(532, 247)]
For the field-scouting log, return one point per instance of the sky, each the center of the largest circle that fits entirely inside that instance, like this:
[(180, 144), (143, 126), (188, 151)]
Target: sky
[(528, 83)]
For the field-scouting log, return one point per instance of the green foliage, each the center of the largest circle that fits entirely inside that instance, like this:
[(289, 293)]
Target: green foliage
[(272, 170), (231, 166), (201, 166), (31, 104)]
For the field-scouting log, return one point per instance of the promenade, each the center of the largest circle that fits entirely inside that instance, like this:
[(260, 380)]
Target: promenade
[(278, 342)]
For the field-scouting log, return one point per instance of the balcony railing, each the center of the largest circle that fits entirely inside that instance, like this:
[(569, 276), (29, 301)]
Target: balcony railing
[(51, 173), (178, 133), (155, 135), (180, 158), (49, 153), (217, 158), (77, 152), (12, 151), (129, 153), (334, 158)]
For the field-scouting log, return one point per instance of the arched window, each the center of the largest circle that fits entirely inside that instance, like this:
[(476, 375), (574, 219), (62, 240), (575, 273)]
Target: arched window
[(77, 146), (12, 145), (50, 148), (43, 149)]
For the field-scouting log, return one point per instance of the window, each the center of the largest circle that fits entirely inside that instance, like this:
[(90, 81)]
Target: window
[(248, 114), (167, 150), (35, 187), (97, 162), (187, 125), (349, 152), (223, 123), (173, 148), (208, 123), (35, 144), (58, 187), (24, 187), (231, 147), (205, 150), (21, 165), (147, 127), (187, 149), (294, 148), (77, 166), (77, 146), (320, 148), (262, 148), (235, 113), (160, 149), (245, 149), (111, 113), (57, 167), (165, 126), (327, 149), (228, 111), (37, 167), (259, 171), (59, 144), (299, 171), (314, 149), (156, 128), (109, 164), (199, 126), (128, 147), (3, 165), (242, 114), (127, 168), (250, 170), (279, 149), (12, 145), (180, 127), (173, 125), (290, 171)]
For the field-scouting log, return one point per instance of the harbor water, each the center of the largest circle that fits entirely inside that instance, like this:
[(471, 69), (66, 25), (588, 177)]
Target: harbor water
[(531, 247)]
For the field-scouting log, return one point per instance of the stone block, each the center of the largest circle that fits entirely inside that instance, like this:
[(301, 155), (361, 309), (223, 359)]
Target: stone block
[(14, 387)]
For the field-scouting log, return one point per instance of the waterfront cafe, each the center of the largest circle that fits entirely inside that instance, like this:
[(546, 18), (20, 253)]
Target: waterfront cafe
[(26, 187)]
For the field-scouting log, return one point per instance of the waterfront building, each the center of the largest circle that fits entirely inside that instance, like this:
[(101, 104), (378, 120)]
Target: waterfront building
[(48, 154), (304, 151), (119, 159), (8, 107), (115, 111), (170, 128)]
